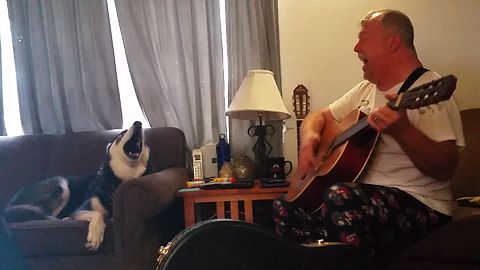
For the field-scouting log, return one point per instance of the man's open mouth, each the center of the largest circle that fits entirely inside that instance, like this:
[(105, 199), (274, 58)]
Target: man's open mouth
[(363, 59)]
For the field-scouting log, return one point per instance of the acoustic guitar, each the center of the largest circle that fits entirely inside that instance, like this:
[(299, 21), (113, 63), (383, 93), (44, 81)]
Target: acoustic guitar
[(349, 144)]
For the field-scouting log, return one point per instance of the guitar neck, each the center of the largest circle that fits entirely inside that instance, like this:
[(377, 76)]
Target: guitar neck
[(350, 132), (423, 95), (299, 123)]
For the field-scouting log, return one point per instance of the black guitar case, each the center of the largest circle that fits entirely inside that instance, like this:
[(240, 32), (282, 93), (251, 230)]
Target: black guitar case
[(237, 245)]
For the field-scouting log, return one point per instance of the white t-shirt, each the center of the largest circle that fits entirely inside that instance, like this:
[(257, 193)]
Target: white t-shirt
[(390, 166)]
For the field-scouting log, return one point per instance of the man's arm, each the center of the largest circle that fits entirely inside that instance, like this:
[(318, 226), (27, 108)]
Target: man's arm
[(310, 138), (436, 159)]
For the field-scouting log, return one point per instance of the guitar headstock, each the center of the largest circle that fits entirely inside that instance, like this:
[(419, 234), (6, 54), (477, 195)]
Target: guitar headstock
[(426, 94), (301, 103)]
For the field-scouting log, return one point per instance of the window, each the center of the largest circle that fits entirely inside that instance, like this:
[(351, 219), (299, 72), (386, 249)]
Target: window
[(131, 111), (9, 79)]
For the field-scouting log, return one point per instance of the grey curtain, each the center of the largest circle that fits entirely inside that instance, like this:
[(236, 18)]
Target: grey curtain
[(174, 54), (253, 43), (65, 66), (3, 132)]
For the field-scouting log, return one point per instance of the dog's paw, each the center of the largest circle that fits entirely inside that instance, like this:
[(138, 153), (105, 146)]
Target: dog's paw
[(96, 231)]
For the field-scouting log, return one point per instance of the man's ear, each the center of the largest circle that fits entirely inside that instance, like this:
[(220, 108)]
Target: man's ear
[(395, 43)]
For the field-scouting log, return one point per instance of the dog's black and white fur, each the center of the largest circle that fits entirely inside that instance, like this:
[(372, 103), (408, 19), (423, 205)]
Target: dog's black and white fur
[(88, 198)]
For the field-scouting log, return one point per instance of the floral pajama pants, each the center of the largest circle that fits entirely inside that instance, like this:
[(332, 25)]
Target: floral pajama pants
[(376, 219)]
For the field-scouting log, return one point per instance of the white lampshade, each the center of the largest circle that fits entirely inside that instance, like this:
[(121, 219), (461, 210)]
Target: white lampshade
[(258, 95)]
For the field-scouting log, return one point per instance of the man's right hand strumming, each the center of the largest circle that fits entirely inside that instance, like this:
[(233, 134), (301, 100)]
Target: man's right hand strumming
[(310, 138)]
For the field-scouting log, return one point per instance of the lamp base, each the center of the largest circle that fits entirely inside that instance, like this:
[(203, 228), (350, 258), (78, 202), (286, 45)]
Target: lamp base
[(262, 148)]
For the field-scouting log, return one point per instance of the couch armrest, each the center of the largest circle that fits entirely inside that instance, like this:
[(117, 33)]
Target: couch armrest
[(137, 214), (456, 241), (144, 197)]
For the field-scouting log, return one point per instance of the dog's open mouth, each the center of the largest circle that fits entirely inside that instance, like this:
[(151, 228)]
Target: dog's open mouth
[(134, 146)]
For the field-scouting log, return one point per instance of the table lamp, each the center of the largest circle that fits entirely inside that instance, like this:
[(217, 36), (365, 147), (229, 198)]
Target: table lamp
[(258, 98)]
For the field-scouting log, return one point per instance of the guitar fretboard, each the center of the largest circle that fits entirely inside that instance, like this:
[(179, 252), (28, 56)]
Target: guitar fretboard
[(420, 96), (299, 123), (346, 135)]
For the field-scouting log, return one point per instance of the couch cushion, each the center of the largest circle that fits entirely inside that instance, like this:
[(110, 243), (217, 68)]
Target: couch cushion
[(23, 161), (79, 153), (57, 237)]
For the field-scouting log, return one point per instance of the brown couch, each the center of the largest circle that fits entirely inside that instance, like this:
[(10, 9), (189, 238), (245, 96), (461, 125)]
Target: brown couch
[(457, 244), (146, 212)]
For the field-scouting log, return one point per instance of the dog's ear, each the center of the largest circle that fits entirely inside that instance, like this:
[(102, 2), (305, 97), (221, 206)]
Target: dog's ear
[(107, 151), (115, 140), (120, 136)]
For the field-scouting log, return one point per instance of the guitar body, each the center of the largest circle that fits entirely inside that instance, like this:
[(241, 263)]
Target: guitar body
[(232, 244), (341, 164)]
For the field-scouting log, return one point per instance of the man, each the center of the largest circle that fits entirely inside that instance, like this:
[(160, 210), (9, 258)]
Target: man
[(404, 193)]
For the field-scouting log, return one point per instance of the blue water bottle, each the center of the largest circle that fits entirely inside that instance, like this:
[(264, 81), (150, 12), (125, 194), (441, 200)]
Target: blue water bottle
[(223, 151)]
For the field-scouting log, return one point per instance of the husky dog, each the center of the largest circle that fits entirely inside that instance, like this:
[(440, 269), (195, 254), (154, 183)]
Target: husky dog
[(88, 198)]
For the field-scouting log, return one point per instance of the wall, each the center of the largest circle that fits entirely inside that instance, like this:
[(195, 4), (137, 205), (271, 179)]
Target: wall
[(317, 39)]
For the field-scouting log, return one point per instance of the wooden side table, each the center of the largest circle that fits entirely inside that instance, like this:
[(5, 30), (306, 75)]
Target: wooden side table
[(230, 196)]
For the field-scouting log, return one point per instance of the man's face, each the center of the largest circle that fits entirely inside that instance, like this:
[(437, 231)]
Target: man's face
[(372, 49)]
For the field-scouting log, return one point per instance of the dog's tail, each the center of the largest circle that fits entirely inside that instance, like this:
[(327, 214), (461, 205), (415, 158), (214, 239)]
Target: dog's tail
[(25, 212)]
